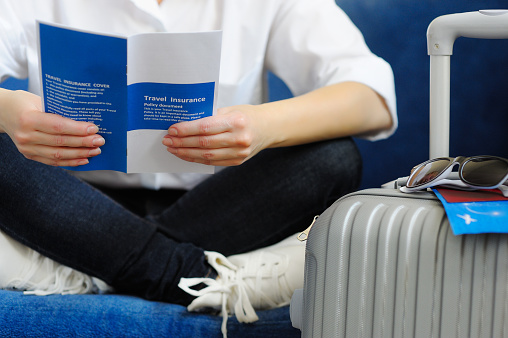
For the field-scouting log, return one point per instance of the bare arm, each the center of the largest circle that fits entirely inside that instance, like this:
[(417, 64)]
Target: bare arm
[(237, 133), (46, 138)]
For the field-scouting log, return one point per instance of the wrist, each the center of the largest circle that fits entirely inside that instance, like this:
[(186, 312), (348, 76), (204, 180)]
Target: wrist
[(275, 122), (4, 96)]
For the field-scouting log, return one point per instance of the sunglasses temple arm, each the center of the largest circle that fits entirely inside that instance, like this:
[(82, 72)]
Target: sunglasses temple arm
[(504, 190), (401, 182)]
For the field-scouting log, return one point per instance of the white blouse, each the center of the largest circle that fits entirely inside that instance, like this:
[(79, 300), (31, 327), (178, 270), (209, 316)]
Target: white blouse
[(307, 43)]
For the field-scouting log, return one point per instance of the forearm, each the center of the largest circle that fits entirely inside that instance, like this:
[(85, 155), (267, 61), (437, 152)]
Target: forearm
[(3, 107), (237, 133), (339, 110)]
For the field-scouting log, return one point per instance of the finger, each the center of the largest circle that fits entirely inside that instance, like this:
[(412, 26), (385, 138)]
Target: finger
[(222, 140), (208, 156), (61, 163), (205, 126), (223, 163), (56, 124), (55, 155), (91, 141)]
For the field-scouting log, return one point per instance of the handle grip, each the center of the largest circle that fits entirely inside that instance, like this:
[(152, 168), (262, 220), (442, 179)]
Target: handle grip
[(441, 35), (483, 24)]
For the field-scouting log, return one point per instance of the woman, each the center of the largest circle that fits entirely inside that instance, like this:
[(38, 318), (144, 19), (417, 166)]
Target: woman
[(284, 161)]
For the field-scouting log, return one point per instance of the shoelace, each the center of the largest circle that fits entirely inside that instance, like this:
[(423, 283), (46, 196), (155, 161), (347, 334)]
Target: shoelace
[(63, 280), (278, 298), (231, 283), (228, 285)]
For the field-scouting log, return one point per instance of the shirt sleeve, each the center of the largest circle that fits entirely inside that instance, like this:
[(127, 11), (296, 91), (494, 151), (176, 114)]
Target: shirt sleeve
[(13, 42), (313, 43)]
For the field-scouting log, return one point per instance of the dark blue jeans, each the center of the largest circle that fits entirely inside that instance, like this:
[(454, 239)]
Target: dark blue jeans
[(270, 197)]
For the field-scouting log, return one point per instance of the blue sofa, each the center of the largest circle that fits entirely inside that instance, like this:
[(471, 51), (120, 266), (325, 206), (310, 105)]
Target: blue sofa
[(395, 30), (124, 316)]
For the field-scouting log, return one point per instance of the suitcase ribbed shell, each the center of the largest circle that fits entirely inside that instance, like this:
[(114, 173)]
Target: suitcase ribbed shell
[(380, 263)]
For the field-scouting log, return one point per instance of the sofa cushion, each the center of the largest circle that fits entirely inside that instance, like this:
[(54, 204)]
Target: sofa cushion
[(124, 316)]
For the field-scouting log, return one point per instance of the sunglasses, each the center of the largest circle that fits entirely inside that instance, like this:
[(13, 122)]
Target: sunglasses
[(475, 172)]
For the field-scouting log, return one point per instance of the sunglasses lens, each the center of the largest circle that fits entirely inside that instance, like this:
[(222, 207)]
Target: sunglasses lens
[(427, 173), (484, 172)]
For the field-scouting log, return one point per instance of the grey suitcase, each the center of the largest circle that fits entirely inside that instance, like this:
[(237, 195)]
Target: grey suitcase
[(380, 263)]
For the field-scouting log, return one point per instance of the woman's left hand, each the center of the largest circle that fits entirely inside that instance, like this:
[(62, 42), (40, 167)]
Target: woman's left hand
[(237, 133), (230, 137)]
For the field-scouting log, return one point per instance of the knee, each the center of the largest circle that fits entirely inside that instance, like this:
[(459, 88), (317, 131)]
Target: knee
[(342, 157), (338, 167)]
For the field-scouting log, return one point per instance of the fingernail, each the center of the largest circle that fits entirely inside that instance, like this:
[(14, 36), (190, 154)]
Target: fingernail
[(172, 150), (83, 162), (98, 142), (173, 132), (168, 142), (94, 152), (92, 130)]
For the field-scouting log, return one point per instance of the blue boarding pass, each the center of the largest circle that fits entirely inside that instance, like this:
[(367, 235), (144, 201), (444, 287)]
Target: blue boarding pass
[(474, 212)]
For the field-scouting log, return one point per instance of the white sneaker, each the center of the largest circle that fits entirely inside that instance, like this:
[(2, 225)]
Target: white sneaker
[(24, 269), (262, 279)]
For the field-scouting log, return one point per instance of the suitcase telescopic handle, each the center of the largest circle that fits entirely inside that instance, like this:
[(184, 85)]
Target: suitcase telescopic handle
[(441, 35)]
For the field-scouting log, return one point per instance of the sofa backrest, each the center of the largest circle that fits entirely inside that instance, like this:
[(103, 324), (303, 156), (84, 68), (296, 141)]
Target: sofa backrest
[(396, 31)]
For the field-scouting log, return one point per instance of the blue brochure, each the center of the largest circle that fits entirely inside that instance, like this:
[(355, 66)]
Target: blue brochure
[(133, 88), (474, 212)]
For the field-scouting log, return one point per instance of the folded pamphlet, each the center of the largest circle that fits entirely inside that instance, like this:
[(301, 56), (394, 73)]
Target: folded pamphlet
[(133, 88)]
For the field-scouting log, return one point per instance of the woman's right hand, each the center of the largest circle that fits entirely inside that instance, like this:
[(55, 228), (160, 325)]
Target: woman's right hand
[(47, 138)]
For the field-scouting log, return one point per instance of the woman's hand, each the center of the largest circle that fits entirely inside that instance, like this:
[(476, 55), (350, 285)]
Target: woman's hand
[(237, 133), (47, 138), (231, 137)]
